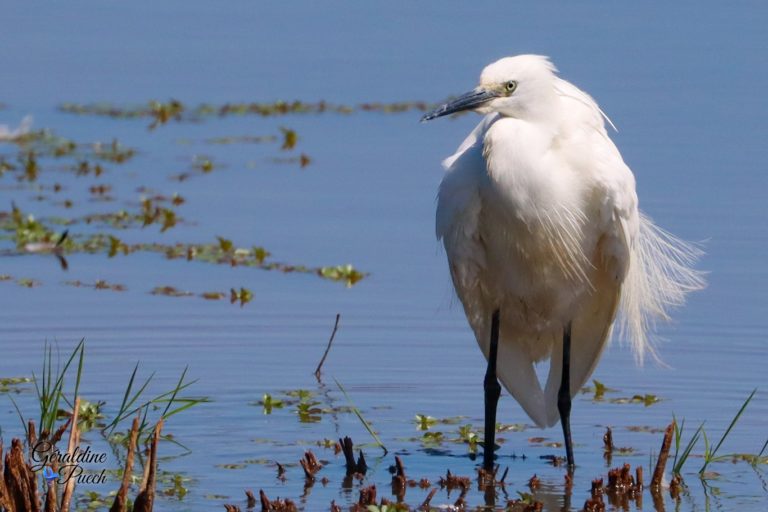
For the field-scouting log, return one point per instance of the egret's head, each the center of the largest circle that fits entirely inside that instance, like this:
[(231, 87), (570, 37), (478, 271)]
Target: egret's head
[(520, 86)]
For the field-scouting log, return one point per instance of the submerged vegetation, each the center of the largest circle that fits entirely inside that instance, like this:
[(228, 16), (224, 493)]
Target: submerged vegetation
[(71, 202), (63, 408), (41, 155), (622, 486), (37, 466), (174, 110)]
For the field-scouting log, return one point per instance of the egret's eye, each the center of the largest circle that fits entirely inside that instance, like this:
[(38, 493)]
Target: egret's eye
[(510, 86)]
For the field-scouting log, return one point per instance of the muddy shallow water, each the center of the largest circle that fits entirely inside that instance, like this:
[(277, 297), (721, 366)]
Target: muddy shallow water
[(685, 87)]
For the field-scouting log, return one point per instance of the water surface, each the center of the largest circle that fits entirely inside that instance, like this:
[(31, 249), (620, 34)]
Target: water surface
[(685, 85)]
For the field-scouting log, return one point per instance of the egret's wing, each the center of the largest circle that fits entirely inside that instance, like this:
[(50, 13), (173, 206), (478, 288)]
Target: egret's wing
[(458, 199), (458, 213)]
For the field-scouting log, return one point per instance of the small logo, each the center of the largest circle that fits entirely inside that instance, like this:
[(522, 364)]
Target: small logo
[(49, 474)]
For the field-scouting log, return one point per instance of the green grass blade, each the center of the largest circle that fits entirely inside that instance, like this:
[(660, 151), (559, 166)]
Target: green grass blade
[(18, 411), (762, 451), (57, 392), (113, 424), (143, 423), (128, 400), (156, 400), (678, 466), (735, 419), (126, 411), (679, 427), (177, 443), (175, 392), (79, 368), (188, 403), (39, 396), (171, 392), (362, 420), (707, 453)]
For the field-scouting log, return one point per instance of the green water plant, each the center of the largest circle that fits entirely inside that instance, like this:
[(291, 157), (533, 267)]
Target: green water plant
[(682, 456), (134, 401), (710, 455), (33, 235), (12, 384), (174, 110), (268, 402), (50, 385)]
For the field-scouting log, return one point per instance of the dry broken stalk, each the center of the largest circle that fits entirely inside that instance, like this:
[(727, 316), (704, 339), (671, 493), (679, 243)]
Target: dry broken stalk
[(251, 498), (620, 480), (399, 480), (425, 504), (595, 501), (277, 505), (310, 465), (608, 440), (146, 497), (348, 448), (74, 441), (486, 479), (658, 473), (452, 481), (399, 467), (460, 502), (121, 499), (59, 432), (367, 496), (31, 438), (19, 492), (597, 488), (568, 482), (328, 348), (675, 486), (51, 498), (523, 506), (594, 505), (4, 498), (264, 501)]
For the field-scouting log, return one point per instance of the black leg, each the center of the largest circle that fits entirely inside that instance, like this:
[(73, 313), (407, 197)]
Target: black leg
[(492, 393), (564, 396)]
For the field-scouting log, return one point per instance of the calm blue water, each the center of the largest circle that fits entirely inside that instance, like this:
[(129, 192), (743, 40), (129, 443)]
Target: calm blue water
[(684, 83)]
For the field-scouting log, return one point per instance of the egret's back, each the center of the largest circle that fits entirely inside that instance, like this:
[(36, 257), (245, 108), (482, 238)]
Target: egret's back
[(539, 219)]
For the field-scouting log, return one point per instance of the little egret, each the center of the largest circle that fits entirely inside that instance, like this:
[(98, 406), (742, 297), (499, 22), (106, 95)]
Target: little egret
[(545, 243)]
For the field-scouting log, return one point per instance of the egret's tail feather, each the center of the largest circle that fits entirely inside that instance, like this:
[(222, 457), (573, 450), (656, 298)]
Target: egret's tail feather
[(660, 275)]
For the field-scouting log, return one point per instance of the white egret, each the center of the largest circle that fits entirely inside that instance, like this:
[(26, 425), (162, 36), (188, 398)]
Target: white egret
[(545, 243)]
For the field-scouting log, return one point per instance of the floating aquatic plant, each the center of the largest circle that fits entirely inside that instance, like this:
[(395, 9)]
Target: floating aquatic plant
[(173, 110), (99, 284)]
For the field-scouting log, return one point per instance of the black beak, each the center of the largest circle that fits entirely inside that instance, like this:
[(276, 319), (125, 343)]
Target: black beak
[(468, 101)]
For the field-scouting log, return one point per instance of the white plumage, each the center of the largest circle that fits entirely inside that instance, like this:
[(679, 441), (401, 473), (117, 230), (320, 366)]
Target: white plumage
[(539, 217)]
